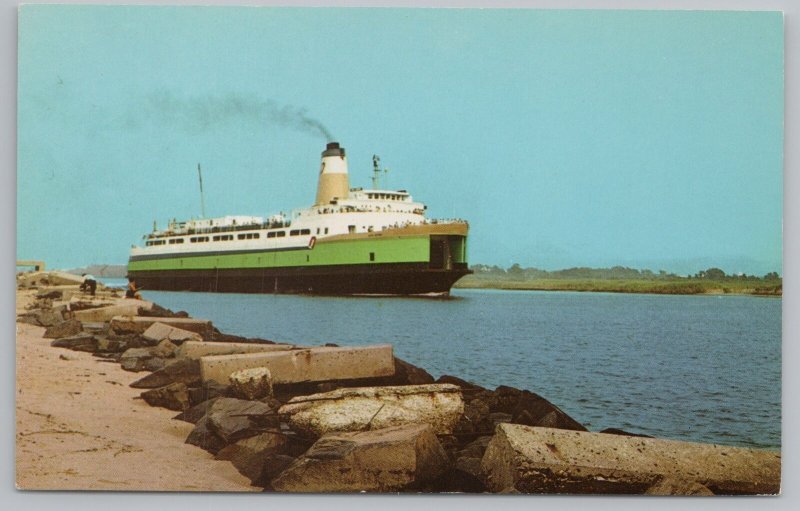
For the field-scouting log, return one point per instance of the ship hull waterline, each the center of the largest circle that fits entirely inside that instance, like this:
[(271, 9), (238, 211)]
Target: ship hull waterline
[(416, 279)]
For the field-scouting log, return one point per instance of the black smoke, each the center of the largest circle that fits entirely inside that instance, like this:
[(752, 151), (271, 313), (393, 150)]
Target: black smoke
[(207, 112)]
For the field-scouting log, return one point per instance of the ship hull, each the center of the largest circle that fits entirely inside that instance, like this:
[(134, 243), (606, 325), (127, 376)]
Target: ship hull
[(376, 279), (412, 261)]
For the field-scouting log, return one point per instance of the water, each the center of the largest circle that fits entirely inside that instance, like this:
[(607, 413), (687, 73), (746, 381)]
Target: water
[(699, 368)]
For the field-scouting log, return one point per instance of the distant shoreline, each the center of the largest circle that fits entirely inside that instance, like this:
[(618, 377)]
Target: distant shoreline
[(589, 280), (685, 287)]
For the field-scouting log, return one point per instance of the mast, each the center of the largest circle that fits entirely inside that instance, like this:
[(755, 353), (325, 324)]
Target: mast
[(376, 172), (202, 200)]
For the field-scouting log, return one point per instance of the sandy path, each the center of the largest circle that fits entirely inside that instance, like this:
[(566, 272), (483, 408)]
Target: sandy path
[(80, 427)]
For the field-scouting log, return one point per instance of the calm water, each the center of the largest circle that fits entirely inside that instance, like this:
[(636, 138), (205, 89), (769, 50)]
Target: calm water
[(685, 367)]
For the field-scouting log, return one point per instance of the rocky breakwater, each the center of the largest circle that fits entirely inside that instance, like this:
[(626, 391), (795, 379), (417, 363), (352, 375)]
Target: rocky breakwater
[(354, 419)]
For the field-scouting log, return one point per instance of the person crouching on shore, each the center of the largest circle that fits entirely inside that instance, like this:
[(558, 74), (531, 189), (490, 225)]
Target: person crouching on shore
[(132, 291), (89, 284)]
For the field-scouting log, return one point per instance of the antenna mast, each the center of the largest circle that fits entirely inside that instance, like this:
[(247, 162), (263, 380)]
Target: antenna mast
[(376, 171), (202, 200)]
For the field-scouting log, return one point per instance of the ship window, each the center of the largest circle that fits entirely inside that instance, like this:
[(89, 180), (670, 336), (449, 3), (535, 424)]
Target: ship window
[(326, 230), (241, 236), (256, 235), (317, 230), (351, 229), (294, 232), (215, 238), (270, 234), (305, 231), (372, 256), (281, 234)]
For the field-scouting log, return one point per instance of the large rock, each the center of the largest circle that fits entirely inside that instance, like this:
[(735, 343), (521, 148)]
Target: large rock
[(208, 390), (252, 384), (141, 359), (180, 371), (505, 399), (546, 460), (173, 397), (196, 412), (534, 410), (305, 365), (48, 317), (272, 465), (50, 293), (63, 329), (384, 460), (158, 332), (234, 419), (80, 342), (139, 324), (248, 455), (203, 437), (359, 409), (229, 420), (194, 349)]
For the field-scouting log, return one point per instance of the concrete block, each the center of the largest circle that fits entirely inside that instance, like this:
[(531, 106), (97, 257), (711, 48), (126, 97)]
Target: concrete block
[(305, 365), (159, 331), (138, 324), (361, 409), (545, 460), (104, 313), (383, 460), (193, 349), (77, 303), (82, 302)]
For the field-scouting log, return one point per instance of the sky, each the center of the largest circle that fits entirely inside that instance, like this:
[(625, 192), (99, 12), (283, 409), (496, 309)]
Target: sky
[(566, 138)]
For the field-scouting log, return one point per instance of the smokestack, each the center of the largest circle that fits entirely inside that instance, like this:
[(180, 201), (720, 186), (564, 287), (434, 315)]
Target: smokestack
[(333, 180)]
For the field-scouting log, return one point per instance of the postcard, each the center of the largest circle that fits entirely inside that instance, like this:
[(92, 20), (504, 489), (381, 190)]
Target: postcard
[(347, 250)]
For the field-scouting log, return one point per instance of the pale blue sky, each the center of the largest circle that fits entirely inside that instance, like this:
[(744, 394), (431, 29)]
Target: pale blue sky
[(566, 138)]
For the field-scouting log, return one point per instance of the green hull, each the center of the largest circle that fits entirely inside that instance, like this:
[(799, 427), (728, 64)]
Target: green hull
[(385, 265)]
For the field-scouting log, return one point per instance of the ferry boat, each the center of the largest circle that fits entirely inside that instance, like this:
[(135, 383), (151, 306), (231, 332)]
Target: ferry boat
[(351, 241)]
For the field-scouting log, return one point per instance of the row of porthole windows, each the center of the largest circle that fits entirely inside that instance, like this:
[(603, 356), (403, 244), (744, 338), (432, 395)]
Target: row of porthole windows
[(243, 236)]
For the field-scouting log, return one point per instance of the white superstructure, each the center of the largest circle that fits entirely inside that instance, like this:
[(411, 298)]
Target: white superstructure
[(337, 211)]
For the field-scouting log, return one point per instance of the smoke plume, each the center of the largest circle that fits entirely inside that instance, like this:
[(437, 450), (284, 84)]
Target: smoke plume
[(203, 113)]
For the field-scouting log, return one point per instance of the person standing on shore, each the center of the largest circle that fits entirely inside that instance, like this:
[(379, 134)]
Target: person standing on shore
[(89, 284)]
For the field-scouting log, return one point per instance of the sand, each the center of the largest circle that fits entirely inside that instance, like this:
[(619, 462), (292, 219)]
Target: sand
[(79, 426)]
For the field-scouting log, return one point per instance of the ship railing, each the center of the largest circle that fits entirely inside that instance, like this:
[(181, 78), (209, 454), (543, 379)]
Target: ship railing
[(445, 221), (217, 229)]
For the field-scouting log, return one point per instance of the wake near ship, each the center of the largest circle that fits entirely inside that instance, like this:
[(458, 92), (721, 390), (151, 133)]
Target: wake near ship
[(351, 241)]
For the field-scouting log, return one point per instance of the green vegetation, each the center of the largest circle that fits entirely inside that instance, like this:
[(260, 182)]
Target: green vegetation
[(621, 280)]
